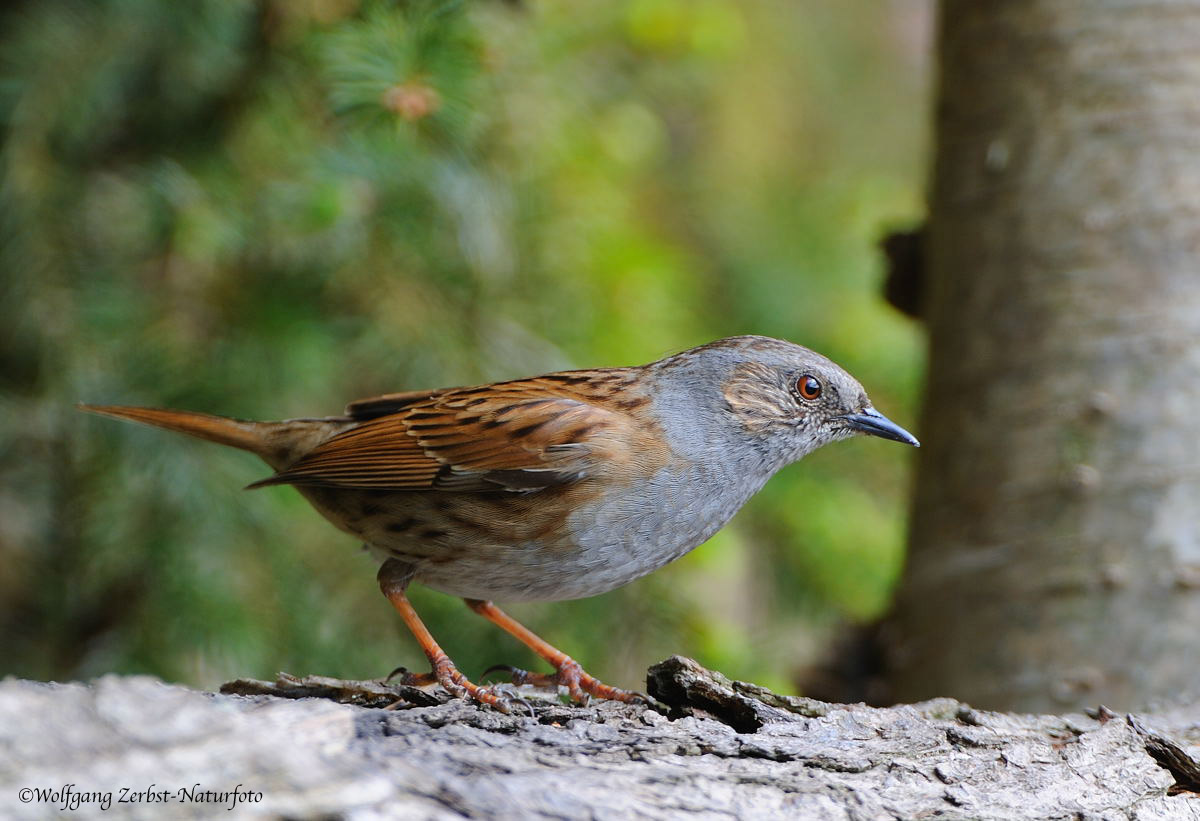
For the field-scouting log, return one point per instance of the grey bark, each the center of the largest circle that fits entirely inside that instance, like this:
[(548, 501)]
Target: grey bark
[(714, 749), (1055, 543)]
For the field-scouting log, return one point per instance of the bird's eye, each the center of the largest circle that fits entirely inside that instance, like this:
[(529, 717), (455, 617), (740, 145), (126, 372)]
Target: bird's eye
[(809, 387)]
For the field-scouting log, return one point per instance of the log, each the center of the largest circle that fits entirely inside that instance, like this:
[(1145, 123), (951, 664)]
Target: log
[(135, 747)]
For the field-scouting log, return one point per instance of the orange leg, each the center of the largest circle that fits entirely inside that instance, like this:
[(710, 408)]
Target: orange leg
[(393, 579), (569, 674)]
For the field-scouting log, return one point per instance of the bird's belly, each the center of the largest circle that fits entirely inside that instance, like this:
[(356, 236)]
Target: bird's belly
[(605, 545), (594, 559), (532, 572), (551, 545)]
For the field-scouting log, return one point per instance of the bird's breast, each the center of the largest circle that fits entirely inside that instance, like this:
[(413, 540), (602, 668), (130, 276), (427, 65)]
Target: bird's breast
[(654, 523)]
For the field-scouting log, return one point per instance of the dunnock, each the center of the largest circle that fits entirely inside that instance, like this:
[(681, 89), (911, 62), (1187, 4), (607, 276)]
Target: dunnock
[(553, 487)]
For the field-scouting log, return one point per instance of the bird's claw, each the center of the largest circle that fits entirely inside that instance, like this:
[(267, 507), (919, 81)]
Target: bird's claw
[(507, 694), (412, 679), (499, 697), (580, 686)]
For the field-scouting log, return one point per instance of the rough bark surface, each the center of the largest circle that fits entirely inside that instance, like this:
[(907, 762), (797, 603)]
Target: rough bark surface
[(713, 748), (1055, 550)]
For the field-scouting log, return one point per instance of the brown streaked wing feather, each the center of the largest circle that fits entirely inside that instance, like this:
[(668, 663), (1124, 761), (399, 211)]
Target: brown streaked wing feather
[(389, 403), (513, 436)]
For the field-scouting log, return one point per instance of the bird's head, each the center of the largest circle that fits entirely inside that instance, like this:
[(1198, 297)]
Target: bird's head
[(790, 400)]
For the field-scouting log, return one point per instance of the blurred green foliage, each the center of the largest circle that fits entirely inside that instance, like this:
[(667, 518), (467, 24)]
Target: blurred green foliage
[(267, 208)]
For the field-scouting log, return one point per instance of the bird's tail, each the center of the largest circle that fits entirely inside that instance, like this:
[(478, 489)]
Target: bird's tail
[(222, 430), (277, 443)]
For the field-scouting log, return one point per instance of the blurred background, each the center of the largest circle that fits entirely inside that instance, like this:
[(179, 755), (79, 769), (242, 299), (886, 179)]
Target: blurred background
[(266, 209)]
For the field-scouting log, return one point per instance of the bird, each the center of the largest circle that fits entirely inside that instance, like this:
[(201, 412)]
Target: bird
[(552, 487)]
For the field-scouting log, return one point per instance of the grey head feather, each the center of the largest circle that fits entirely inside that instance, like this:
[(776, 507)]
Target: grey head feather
[(754, 379)]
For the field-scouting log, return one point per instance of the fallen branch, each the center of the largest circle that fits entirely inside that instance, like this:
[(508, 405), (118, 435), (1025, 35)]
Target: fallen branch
[(711, 746)]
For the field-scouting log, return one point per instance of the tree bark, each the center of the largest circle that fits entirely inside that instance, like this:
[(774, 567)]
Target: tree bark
[(1055, 543), (712, 748)]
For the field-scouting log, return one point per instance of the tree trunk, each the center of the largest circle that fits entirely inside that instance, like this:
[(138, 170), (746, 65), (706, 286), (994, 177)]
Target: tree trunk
[(1056, 533)]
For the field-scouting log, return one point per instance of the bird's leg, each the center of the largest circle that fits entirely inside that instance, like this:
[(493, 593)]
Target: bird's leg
[(568, 672), (394, 577)]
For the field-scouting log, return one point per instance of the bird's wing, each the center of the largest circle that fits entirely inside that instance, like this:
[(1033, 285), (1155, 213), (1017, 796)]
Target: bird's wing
[(389, 403), (515, 436)]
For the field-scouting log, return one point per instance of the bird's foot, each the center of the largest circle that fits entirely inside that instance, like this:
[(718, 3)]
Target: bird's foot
[(579, 684), (456, 684)]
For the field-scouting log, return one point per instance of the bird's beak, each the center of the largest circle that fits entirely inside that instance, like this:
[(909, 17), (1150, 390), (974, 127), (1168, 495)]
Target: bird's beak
[(875, 423)]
